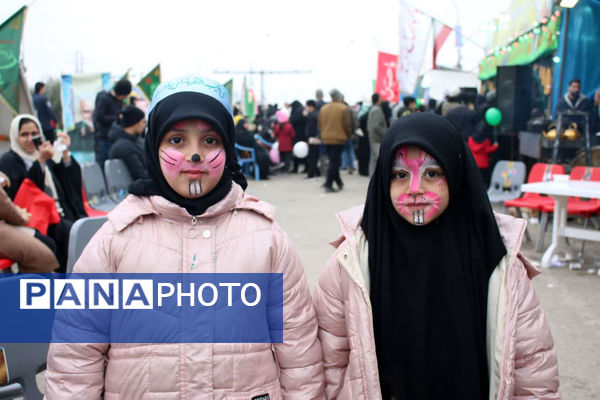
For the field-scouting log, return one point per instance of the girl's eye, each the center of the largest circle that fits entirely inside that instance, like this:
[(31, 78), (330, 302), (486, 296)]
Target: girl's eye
[(211, 140), (433, 174), (176, 140), (399, 175)]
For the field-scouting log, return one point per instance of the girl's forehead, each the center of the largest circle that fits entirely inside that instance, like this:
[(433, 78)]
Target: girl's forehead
[(409, 152), (192, 123)]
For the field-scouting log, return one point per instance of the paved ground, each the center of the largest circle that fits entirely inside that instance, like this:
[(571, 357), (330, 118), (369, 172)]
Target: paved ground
[(571, 299)]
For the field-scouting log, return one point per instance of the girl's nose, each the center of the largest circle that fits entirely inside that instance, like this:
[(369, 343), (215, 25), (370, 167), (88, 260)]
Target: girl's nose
[(196, 157), (415, 185)]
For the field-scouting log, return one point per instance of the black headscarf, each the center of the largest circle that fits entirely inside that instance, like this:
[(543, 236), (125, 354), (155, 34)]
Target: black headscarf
[(170, 110), (429, 283)]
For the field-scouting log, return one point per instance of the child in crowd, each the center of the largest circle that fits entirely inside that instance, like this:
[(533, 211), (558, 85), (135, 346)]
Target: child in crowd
[(284, 132), (190, 216), (427, 295)]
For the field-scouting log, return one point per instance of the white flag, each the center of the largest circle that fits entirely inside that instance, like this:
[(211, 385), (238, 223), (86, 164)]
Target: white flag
[(414, 32)]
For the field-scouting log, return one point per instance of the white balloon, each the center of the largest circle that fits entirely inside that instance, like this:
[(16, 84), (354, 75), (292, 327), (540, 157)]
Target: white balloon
[(300, 150)]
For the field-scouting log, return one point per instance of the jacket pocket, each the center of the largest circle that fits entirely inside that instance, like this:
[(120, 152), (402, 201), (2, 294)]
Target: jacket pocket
[(271, 391)]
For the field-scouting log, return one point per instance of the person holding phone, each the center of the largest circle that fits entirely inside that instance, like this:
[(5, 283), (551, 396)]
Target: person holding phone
[(51, 168)]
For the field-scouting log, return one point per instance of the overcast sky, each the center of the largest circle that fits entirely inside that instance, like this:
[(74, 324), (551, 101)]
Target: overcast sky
[(337, 40)]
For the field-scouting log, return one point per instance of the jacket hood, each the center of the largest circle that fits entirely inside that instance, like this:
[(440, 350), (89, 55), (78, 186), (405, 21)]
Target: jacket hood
[(117, 132), (511, 229), (134, 207)]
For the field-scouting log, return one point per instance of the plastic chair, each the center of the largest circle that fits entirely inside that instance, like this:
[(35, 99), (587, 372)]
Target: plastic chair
[(81, 232), (264, 141), (118, 178), (507, 178), (24, 361), (95, 189), (246, 157), (540, 172)]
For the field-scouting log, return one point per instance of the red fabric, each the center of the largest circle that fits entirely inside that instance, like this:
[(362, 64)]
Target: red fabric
[(535, 201), (481, 151), (41, 206), (285, 136), (387, 81), (5, 263), (440, 38)]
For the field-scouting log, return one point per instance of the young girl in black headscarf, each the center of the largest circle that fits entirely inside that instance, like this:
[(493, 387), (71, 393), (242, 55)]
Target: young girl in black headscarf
[(192, 216), (427, 295)]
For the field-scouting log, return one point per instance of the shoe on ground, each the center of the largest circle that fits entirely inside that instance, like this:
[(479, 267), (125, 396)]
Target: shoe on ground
[(329, 189)]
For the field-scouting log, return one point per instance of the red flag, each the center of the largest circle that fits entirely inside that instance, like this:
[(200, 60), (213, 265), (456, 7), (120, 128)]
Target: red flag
[(440, 38), (387, 81)]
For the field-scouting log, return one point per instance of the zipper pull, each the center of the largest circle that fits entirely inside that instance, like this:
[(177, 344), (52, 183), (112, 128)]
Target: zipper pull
[(192, 231)]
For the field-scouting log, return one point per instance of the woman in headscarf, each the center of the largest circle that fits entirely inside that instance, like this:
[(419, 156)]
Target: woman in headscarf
[(427, 295), (52, 169), (192, 216)]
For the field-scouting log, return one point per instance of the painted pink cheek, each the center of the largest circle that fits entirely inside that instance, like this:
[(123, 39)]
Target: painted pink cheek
[(171, 160), (435, 201), (216, 163), (403, 199)]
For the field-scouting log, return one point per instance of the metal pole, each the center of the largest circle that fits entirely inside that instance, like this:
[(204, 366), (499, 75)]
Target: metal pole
[(564, 52)]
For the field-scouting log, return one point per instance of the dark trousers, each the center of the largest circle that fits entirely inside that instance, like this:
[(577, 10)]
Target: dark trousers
[(334, 152), (286, 159), (102, 150), (60, 234), (312, 160)]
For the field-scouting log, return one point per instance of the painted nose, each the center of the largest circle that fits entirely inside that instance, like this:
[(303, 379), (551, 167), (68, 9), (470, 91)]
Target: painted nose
[(196, 158), (415, 185)]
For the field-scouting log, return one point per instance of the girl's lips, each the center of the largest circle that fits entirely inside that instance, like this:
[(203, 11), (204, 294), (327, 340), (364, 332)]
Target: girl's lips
[(194, 173)]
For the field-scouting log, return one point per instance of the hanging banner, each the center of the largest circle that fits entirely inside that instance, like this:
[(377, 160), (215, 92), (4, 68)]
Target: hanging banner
[(387, 83), (10, 50), (78, 96), (414, 30)]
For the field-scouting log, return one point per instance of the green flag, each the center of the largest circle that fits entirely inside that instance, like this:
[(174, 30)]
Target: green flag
[(249, 103), (150, 82), (10, 50), (229, 86)]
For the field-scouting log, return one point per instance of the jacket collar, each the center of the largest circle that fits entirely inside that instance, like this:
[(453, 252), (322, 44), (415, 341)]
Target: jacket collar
[(134, 207), (511, 229)]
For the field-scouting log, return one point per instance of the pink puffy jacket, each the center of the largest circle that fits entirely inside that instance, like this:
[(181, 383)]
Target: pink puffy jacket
[(238, 234), (522, 362)]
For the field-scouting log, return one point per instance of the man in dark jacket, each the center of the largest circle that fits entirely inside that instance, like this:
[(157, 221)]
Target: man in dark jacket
[(572, 101), (107, 108), (44, 111), (127, 142)]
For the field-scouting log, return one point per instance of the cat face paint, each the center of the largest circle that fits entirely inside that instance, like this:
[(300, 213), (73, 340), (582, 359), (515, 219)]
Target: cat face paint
[(419, 190), (192, 158)]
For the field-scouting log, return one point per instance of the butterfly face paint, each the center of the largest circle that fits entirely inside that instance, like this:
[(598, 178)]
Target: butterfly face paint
[(419, 190), (192, 158)]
